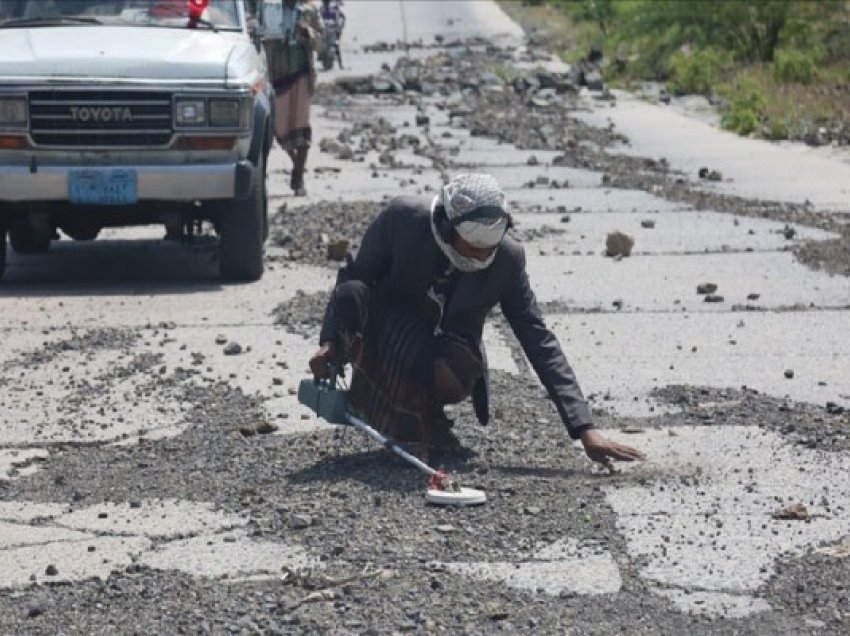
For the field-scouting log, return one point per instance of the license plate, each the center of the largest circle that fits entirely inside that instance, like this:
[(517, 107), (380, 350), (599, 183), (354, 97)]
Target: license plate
[(103, 186)]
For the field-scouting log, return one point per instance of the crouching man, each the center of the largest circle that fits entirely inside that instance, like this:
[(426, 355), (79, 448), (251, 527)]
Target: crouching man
[(408, 312)]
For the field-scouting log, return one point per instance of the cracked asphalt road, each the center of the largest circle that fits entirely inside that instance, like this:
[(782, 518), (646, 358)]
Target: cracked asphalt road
[(131, 503)]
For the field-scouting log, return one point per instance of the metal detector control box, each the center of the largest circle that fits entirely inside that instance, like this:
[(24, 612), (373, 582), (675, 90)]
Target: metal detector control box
[(325, 399)]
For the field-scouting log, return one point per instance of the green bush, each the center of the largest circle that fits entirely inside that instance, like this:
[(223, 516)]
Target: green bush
[(743, 115), (794, 66), (779, 129), (695, 71)]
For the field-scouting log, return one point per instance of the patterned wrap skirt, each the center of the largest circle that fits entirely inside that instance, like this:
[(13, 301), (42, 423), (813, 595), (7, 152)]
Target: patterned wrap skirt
[(291, 75), (402, 373)]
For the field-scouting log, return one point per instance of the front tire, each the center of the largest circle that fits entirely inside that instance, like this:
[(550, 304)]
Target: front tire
[(241, 230), (25, 241), (2, 251)]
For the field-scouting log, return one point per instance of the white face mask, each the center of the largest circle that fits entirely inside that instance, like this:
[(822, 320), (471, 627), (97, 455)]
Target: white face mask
[(463, 263)]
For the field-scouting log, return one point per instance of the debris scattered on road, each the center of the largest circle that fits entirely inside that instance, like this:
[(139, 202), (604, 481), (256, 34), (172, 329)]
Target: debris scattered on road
[(300, 522), (793, 512), (839, 550), (618, 244), (259, 427), (710, 175), (232, 349), (337, 250)]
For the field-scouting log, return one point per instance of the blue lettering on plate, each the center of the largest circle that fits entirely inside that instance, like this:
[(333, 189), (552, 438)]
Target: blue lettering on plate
[(102, 186)]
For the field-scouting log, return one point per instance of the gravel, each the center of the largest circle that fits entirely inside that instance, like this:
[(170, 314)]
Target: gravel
[(359, 508)]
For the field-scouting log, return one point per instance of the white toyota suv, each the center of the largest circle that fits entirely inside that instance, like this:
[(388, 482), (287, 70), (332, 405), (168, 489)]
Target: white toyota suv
[(134, 112)]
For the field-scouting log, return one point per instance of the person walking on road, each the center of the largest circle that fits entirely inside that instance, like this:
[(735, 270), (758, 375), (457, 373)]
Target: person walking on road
[(292, 33), (408, 311), (333, 20)]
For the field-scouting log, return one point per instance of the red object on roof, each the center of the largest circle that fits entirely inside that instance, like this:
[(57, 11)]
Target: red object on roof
[(179, 8), (197, 8)]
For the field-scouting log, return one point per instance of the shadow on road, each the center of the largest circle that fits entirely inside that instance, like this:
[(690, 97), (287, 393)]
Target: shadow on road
[(113, 267), (380, 469), (538, 471)]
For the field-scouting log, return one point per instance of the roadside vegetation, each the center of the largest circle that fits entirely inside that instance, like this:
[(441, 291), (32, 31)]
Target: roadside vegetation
[(778, 69)]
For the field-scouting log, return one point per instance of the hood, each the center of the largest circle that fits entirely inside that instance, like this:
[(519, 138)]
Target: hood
[(105, 52)]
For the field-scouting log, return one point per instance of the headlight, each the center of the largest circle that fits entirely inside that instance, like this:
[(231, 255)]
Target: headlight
[(191, 112), (224, 113), (13, 111)]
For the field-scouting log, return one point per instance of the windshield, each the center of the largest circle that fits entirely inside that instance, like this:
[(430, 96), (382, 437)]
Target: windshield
[(223, 14)]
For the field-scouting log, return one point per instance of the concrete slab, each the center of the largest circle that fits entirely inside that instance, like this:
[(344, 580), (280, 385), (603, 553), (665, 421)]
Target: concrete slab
[(23, 511), (160, 519), (56, 405), (562, 567), (499, 354), (715, 604), (221, 550), (516, 177), (697, 513), (480, 160), (16, 535), (74, 561), (18, 463), (458, 20), (137, 299), (271, 365), (619, 359), (669, 282), (231, 555), (48, 405), (751, 168), (674, 232), (591, 200)]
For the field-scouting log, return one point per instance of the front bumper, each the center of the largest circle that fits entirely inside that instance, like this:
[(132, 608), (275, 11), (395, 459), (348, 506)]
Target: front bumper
[(154, 183)]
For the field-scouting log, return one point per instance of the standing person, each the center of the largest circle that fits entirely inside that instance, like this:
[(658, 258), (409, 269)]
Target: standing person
[(408, 313), (292, 31), (334, 21)]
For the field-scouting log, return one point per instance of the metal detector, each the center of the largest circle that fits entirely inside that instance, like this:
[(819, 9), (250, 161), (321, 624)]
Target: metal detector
[(329, 401)]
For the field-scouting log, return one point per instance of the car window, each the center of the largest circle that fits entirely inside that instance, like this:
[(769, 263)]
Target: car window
[(223, 14)]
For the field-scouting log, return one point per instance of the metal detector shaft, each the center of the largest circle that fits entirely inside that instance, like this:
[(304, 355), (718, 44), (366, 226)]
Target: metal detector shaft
[(398, 450)]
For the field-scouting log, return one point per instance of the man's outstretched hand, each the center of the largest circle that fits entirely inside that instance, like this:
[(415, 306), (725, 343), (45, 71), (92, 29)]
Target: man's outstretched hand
[(601, 449)]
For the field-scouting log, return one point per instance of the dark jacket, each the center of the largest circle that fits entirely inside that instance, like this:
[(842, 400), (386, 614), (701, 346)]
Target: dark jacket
[(400, 257)]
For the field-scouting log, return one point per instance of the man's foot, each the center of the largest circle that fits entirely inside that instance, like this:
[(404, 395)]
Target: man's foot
[(297, 184)]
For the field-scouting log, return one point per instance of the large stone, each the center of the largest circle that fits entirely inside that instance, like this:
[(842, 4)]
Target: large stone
[(618, 244)]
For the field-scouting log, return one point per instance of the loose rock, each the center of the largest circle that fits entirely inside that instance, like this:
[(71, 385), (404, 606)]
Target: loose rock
[(618, 244)]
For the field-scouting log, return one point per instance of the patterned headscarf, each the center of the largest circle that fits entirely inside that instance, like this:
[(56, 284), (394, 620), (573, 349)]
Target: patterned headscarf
[(463, 194), (468, 192)]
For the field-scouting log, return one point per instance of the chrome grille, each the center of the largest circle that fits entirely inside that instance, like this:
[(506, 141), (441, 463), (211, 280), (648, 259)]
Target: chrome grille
[(100, 118)]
